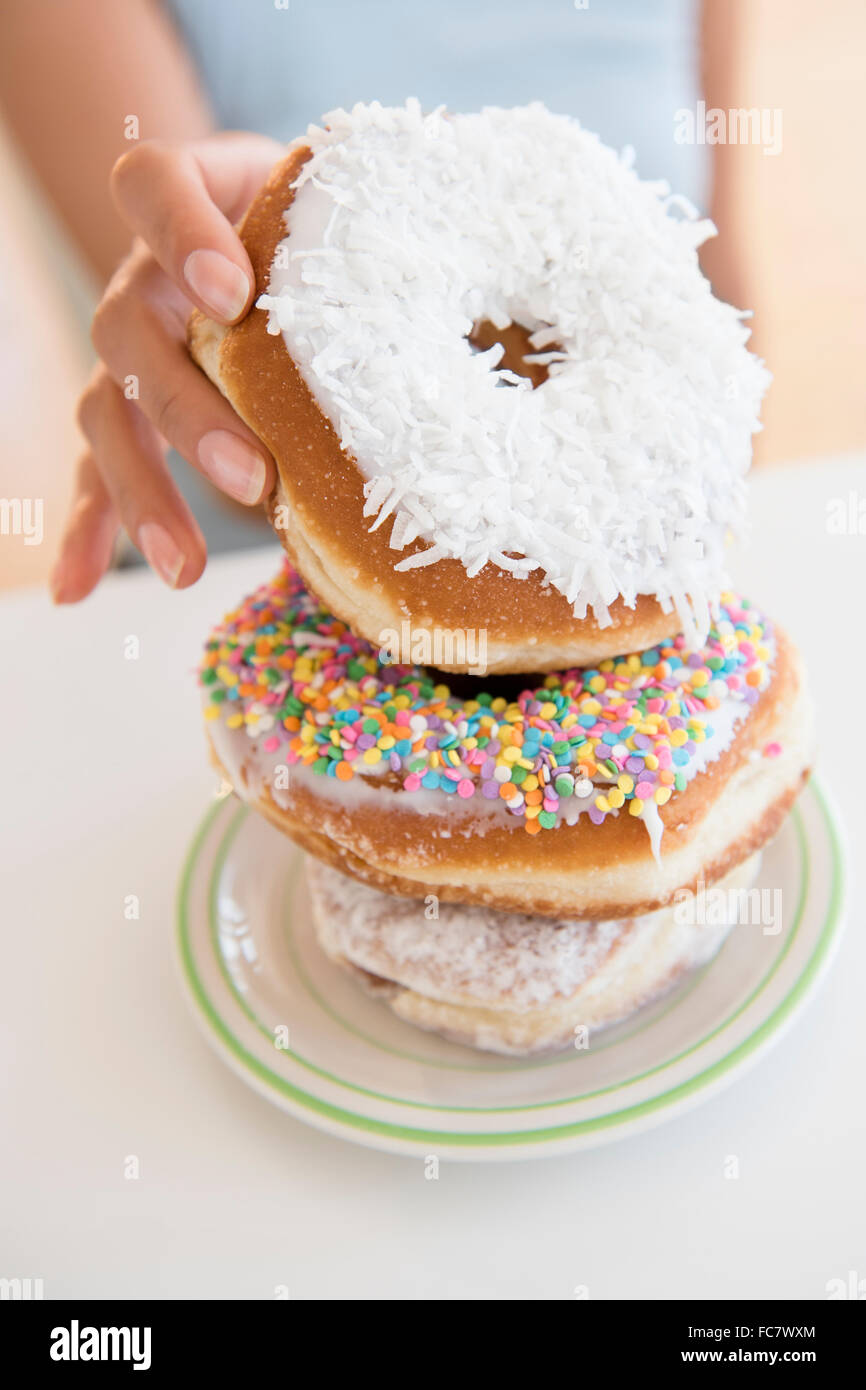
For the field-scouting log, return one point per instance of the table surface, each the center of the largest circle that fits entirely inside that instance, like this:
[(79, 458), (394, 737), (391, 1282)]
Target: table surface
[(105, 780)]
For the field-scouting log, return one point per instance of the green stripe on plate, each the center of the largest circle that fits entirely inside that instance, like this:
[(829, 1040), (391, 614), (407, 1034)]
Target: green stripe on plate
[(237, 821), (408, 1134)]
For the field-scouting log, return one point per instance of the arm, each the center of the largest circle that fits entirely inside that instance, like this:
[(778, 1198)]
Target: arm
[(153, 217), (70, 75)]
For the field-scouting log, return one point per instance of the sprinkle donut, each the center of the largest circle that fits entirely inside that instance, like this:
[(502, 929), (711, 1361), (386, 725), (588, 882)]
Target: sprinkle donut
[(500, 394), (593, 792)]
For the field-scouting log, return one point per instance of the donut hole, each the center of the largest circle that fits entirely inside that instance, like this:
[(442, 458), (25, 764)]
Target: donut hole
[(515, 339), (467, 687)]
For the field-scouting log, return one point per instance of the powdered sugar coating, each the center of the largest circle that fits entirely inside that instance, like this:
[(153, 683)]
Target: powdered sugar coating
[(622, 473), (488, 957)]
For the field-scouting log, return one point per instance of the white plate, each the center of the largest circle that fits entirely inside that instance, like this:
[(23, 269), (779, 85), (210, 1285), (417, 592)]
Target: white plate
[(253, 970)]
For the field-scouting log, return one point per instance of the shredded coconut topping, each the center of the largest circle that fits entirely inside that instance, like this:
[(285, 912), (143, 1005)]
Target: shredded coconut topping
[(623, 472)]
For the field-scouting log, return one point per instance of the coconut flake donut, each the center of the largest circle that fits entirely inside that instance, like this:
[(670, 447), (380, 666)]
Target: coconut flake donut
[(598, 792), (498, 389), (505, 982)]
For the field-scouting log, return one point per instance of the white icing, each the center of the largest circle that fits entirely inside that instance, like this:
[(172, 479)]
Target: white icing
[(620, 474), (654, 827)]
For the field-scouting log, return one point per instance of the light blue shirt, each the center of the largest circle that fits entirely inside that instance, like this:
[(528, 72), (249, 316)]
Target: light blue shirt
[(623, 67)]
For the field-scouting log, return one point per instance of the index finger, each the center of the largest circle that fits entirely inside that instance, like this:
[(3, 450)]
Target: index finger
[(180, 200)]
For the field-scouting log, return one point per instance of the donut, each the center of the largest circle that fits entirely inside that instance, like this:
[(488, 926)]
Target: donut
[(507, 982), (595, 792), (503, 402)]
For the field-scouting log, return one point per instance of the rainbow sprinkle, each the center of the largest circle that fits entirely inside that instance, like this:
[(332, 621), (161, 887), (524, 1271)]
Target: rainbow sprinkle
[(288, 673)]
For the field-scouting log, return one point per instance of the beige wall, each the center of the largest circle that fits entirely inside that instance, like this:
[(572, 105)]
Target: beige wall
[(44, 361), (794, 222)]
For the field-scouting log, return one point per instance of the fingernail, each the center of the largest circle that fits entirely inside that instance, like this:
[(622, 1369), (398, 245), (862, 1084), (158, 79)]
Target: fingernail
[(217, 282), (161, 552), (233, 465)]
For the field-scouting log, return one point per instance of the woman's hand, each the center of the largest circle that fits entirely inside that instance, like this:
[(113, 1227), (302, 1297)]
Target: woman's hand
[(146, 393)]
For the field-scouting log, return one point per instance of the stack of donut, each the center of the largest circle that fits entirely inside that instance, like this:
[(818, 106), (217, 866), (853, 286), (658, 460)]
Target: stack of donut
[(500, 689)]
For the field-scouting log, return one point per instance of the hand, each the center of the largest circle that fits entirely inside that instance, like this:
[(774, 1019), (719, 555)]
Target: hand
[(180, 202)]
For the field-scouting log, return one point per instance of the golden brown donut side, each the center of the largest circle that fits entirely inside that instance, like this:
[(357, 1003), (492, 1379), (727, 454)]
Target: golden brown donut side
[(529, 625)]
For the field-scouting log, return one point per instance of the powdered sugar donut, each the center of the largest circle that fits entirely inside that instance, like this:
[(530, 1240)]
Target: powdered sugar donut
[(594, 792), (506, 982), (424, 478)]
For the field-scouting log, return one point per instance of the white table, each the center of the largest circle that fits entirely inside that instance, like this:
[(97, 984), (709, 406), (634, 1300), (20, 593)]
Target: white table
[(104, 781)]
